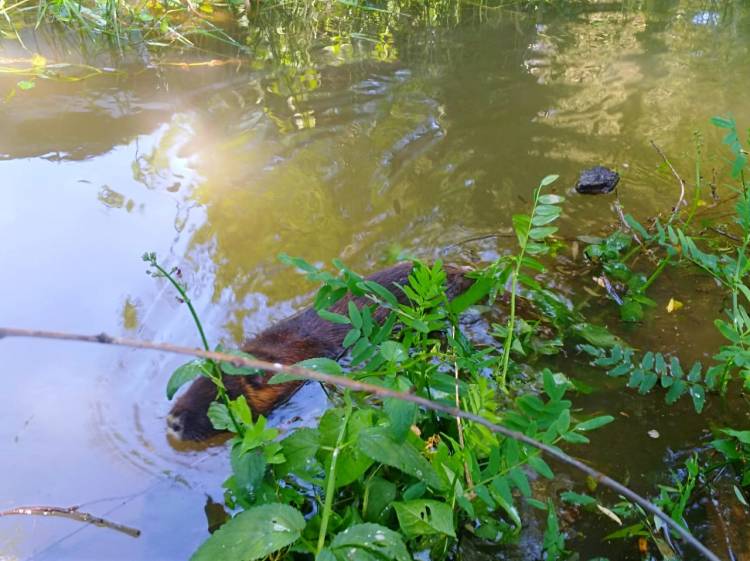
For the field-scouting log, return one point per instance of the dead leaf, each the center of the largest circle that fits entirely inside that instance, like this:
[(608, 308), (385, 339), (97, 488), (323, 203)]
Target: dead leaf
[(674, 305)]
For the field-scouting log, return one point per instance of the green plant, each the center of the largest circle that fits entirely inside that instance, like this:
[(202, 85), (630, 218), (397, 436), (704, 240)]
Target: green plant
[(198, 367), (655, 368), (386, 478), (672, 499)]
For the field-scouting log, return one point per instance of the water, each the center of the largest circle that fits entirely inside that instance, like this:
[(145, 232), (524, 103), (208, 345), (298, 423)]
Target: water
[(418, 145)]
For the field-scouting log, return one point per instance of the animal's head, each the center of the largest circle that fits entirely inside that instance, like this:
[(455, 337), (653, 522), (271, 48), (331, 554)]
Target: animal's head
[(188, 419)]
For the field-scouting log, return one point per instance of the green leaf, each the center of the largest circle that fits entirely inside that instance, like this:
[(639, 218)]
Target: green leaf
[(636, 226), (536, 503), (698, 395), (383, 293), (425, 517), (414, 491), (300, 449), (355, 316), (541, 467), (504, 497), (297, 262), (521, 481), (648, 382), (253, 534), (380, 495), (740, 496), (393, 351), (368, 542), (695, 372), (722, 122), (647, 362), (377, 444), (185, 373), (552, 199), (521, 225), (324, 365), (229, 368), (575, 438), (539, 234), (628, 532), (218, 414), (577, 498), (351, 337), (26, 84), (596, 335), (676, 368), (249, 469), (595, 423), (333, 317), (727, 331), (675, 391), (401, 414), (544, 219), (742, 435), (547, 210), (548, 180), (476, 292), (352, 463), (660, 366), (631, 311)]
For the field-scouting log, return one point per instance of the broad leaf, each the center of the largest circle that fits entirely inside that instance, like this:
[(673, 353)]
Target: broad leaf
[(377, 444), (186, 373), (253, 534), (424, 517), (366, 542)]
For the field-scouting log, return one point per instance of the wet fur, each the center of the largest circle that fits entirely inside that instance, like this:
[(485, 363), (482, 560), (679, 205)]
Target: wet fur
[(299, 337)]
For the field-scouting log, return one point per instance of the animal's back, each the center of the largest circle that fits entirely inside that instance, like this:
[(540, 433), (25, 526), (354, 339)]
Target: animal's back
[(296, 338)]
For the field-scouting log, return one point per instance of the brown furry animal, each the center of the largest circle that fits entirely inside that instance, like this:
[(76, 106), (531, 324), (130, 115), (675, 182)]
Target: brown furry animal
[(302, 336)]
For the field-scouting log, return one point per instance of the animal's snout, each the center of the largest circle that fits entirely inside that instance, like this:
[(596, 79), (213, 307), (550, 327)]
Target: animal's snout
[(176, 425)]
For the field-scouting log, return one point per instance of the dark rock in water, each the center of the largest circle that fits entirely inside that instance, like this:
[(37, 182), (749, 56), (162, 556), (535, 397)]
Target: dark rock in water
[(597, 181)]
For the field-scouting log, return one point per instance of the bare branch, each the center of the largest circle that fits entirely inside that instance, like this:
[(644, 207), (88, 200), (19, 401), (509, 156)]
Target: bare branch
[(341, 381), (681, 201), (73, 513)]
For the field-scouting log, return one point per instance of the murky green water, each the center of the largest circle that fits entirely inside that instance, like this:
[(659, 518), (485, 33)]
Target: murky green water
[(418, 144)]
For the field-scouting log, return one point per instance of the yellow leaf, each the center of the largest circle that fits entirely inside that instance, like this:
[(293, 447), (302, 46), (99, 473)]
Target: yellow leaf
[(606, 512), (673, 305), (38, 61)]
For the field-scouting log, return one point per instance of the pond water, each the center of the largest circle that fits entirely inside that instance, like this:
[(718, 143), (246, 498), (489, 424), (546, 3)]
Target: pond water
[(423, 143)]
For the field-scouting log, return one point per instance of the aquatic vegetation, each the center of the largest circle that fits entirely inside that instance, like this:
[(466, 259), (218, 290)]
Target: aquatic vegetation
[(385, 477)]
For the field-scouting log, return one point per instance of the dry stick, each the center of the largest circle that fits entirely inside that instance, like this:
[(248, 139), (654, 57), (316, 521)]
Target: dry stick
[(305, 374), (621, 216), (681, 200), (73, 513)]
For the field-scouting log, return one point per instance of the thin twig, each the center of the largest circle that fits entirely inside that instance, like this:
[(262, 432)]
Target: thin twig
[(73, 513), (621, 215), (460, 428), (725, 234), (355, 385), (681, 200)]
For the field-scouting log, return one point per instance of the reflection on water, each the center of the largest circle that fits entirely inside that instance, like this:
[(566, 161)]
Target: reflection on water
[(345, 149)]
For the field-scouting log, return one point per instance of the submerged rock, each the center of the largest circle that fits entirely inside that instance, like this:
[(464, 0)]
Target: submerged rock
[(597, 181)]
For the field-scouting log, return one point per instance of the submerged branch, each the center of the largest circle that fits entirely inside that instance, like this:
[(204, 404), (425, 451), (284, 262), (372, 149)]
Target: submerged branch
[(73, 513), (681, 200), (341, 381)]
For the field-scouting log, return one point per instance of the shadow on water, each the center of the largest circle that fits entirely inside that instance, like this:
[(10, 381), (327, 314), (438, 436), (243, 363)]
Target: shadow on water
[(394, 139)]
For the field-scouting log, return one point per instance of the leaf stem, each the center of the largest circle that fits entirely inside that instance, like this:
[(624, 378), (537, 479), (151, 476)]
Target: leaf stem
[(215, 375), (331, 476)]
